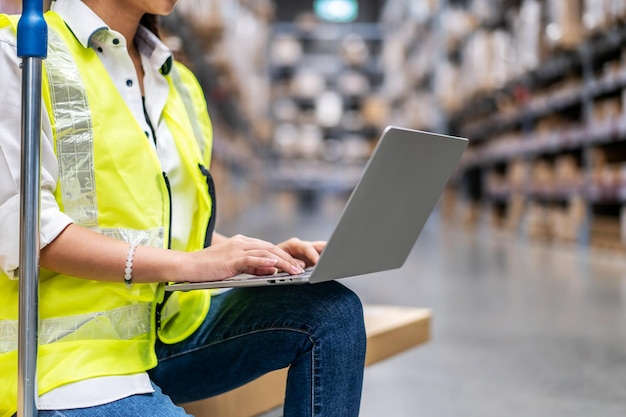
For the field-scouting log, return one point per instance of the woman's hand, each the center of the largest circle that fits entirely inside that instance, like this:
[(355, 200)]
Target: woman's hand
[(306, 253), (242, 254)]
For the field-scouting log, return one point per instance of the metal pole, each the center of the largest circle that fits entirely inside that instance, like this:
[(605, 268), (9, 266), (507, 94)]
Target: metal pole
[(32, 42)]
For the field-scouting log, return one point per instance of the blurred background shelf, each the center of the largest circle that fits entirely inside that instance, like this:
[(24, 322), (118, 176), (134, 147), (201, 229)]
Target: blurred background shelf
[(299, 97)]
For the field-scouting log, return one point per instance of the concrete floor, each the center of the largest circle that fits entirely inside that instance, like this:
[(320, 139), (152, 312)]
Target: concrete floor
[(519, 329)]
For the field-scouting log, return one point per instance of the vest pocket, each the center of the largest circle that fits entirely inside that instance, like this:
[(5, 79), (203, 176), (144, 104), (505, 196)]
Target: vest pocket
[(182, 314)]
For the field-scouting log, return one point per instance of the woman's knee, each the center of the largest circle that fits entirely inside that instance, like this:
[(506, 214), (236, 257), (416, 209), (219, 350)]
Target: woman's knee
[(342, 314)]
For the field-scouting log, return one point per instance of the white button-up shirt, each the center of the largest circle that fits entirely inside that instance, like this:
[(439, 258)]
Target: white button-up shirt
[(92, 32)]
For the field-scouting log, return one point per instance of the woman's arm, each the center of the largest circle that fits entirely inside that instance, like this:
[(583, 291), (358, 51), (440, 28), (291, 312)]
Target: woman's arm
[(83, 253), (80, 252), (52, 220)]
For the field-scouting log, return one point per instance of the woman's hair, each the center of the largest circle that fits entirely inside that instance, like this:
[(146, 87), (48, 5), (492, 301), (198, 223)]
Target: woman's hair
[(151, 22)]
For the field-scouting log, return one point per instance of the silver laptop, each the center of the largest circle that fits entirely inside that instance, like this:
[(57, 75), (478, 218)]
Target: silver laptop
[(383, 217)]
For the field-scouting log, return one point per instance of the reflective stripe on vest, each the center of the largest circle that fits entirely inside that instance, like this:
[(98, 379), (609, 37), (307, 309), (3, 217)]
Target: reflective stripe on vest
[(74, 143), (127, 322), (189, 107), (74, 135)]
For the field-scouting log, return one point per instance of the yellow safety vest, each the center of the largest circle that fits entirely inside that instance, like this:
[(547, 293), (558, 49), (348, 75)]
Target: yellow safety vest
[(110, 181)]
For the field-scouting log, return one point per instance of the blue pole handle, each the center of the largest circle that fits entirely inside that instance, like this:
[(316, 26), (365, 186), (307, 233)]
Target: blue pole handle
[(32, 31)]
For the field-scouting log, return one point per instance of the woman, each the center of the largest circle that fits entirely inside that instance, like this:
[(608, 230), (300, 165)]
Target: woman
[(127, 205)]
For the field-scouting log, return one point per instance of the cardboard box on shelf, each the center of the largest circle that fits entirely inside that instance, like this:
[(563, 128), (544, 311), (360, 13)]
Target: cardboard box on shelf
[(494, 182), (449, 203), (549, 124), (610, 176), (557, 222), (353, 83), (542, 176), (376, 111), (517, 174), (502, 58), (566, 28), (595, 14), (471, 214), (538, 222), (285, 50), (600, 14), (448, 86), (354, 51), (515, 211), (497, 216), (617, 10), (390, 330), (477, 63), (606, 109), (606, 232), (307, 84), (622, 221), (598, 158), (566, 222), (567, 172), (527, 28), (576, 216)]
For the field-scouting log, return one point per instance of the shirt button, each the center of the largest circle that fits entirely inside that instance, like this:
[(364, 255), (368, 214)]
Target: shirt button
[(116, 41), (129, 83)]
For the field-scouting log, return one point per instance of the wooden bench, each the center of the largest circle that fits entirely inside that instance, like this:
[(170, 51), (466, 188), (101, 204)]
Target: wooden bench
[(390, 330)]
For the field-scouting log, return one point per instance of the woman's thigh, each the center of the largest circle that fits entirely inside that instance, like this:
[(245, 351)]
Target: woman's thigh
[(252, 331)]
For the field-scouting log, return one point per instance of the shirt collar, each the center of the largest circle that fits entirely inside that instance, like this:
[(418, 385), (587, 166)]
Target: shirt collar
[(85, 23), (151, 46), (81, 20)]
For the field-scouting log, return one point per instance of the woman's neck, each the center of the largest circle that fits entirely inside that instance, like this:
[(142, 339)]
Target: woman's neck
[(123, 19), (118, 16)]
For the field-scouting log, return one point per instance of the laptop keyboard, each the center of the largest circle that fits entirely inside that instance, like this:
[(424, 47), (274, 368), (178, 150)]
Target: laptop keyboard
[(245, 277)]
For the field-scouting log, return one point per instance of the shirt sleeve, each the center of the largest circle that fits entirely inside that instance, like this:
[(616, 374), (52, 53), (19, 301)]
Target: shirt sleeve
[(53, 221)]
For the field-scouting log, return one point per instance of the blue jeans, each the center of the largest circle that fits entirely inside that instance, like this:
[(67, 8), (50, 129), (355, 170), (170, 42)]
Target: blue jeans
[(156, 404), (316, 330)]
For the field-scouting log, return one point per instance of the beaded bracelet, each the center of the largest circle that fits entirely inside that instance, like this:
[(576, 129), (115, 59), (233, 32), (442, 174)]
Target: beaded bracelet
[(128, 271)]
